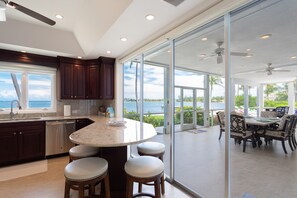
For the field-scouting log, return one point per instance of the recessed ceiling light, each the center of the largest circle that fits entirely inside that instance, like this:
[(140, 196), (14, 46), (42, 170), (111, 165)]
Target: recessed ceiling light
[(265, 36), (204, 39), (23, 51), (108, 52), (149, 17), (202, 55), (124, 39), (59, 16), (169, 51), (293, 57), (249, 55), (79, 57), (248, 50)]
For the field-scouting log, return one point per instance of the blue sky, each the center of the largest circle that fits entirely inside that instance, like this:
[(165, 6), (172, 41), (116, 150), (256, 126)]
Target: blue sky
[(39, 87), (154, 81)]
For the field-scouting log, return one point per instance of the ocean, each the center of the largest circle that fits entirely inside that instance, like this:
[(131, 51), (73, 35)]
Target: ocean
[(158, 107), (32, 104)]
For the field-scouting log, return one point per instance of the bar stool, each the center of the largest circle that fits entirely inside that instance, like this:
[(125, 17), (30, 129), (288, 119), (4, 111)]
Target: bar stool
[(86, 172), (144, 169), (154, 149), (82, 151)]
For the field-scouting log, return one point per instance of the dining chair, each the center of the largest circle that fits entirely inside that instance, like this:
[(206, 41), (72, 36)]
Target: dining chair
[(238, 130), (268, 114), (284, 134), (281, 111), (221, 119)]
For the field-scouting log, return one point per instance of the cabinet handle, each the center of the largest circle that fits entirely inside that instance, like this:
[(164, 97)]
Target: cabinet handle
[(20, 133)]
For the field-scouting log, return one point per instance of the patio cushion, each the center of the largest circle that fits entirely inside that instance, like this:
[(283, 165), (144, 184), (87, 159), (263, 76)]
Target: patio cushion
[(278, 134), (247, 134), (268, 114), (282, 122)]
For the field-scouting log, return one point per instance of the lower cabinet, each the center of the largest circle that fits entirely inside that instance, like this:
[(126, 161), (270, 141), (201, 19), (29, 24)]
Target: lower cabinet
[(21, 142), (81, 123)]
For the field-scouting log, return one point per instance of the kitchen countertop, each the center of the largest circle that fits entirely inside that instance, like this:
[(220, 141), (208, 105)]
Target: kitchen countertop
[(100, 134)]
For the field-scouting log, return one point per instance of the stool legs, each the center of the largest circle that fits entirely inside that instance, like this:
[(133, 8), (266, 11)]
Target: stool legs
[(106, 184), (157, 188), (67, 190)]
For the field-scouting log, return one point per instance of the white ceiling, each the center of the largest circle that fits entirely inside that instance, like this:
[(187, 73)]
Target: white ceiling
[(90, 28), (246, 29)]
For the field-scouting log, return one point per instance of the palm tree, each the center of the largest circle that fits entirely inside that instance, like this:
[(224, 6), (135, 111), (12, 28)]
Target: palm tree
[(214, 80)]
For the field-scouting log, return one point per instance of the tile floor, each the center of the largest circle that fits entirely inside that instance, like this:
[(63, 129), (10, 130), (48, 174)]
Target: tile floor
[(265, 172), (50, 184)]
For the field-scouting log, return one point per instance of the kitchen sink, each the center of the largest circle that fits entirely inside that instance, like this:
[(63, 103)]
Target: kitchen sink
[(19, 119)]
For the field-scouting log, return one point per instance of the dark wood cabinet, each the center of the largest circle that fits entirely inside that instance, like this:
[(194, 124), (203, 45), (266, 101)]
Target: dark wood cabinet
[(72, 81), (21, 142), (87, 79), (81, 123), (106, 78), (92, 81)]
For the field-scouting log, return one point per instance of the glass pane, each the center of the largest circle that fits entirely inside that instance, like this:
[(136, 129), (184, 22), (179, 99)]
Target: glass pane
[(239, 98), (131, 89), (195, 58), (7, 90), (189, 79), (262, 55), (39, 91), (253, 107)]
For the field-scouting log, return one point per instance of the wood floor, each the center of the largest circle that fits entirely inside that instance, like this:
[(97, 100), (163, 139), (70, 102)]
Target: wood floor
[(265, 172), (50, 184)]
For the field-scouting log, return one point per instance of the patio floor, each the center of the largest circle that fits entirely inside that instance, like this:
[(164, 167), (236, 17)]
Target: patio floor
[(262, 172)]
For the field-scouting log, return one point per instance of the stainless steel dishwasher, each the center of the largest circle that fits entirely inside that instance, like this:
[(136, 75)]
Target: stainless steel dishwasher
[(57, 136)]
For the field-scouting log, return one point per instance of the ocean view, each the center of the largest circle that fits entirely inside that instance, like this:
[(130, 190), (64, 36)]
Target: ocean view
[(32, 104), (157, 107)]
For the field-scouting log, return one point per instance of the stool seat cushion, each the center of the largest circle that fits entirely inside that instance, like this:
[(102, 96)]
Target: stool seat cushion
[(81, 151), (144, 167), (85, 168), (151, 148)]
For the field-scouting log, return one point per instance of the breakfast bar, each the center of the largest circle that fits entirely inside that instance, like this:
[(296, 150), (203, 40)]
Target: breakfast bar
[(113, 136)]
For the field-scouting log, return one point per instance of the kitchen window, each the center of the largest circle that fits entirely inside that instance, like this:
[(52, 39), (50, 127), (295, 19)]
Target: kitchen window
[(32, 86)]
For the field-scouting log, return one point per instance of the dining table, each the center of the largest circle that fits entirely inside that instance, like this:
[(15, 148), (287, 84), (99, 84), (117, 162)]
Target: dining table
[(259, 123), (114, 136)]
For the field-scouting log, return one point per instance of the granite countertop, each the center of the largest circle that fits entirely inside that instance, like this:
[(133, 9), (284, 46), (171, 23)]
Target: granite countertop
[(100, 134)]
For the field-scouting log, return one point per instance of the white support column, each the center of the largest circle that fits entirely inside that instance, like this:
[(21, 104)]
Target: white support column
[(291, 97), (232, 96), (227, 104), (207, 101), (119, 87), (260, 99), (246, 99)]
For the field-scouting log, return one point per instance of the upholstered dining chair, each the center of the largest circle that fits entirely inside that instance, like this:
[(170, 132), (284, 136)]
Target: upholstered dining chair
[(238, 130), (221, 119), (269, 114), (285, 134)]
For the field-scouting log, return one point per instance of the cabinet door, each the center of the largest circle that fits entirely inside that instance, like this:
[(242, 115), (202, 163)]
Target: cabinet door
[(92, 81), (66, 76), (8, 146), (107, 81), (79, 77), (31, 141)]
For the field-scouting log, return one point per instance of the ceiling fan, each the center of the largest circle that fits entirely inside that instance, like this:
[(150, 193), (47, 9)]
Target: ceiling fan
[(4, 4), (270, 69), (219, 52)]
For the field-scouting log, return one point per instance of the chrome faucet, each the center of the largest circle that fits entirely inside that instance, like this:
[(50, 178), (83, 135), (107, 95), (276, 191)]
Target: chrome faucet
[(11, 108)]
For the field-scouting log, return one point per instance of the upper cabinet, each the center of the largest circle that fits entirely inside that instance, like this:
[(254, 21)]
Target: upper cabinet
[(86, 79), (106, 78), (72, 79)]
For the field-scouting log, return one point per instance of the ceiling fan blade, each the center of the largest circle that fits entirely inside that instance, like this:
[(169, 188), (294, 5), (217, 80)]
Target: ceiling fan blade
[(32, 13), (239, 54), (281, 70)]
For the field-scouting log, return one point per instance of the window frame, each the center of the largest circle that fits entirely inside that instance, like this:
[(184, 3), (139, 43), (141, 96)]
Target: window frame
[(25, 70)]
